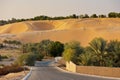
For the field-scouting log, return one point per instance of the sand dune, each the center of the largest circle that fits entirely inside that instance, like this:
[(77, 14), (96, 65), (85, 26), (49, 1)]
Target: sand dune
[(84, 36), (83, 30)]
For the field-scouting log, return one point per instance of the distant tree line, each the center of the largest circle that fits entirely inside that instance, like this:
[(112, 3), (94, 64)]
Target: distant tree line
[(74, 16)]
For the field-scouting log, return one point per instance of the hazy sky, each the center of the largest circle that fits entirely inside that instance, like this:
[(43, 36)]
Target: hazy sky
[(31, 8)]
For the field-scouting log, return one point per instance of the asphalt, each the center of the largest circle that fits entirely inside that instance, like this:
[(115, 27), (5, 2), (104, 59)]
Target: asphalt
[(45, 70)]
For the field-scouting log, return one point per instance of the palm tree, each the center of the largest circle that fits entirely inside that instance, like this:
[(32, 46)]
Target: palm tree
[(85, 59), (98, 49), (113, 49)]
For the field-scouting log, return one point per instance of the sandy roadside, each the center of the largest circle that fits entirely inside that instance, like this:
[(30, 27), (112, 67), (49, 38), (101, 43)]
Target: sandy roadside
[(14, 76)]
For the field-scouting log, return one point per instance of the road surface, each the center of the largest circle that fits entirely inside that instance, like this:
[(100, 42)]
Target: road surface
[(46, 71)]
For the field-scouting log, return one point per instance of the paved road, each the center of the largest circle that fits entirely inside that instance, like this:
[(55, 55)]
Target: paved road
[(46, 71)]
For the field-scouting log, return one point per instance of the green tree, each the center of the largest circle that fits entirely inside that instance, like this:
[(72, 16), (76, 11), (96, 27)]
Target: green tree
[(70, 55), (112, 15), (94, 16), (102, 16), (43, 47), (113, 50), (3, 22), (29, 47), (74, 45), (86, 16), (26, 59), (73, 16), (72, 50), (98, 49), (42, 17), (85, 59), (118, 15), (56, 49), (81, 16)]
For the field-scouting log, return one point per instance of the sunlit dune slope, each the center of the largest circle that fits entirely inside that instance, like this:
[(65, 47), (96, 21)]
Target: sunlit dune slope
[(83, 36), (21, 27), (83, 30)]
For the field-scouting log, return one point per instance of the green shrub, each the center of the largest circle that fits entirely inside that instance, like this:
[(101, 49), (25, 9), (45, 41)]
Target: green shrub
[(26, 59), (39, 57), (3, 57), (69, 55), (72, 51)]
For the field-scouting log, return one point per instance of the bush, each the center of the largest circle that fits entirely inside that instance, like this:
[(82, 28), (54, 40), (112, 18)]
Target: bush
[(26, 59), (94, 16), (113, 15), (69, 55), (1, 46), (72, 51), (56, 49), (3, 57), (39, 57)]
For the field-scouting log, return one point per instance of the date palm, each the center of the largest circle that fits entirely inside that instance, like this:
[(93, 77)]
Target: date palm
[(98, 49)]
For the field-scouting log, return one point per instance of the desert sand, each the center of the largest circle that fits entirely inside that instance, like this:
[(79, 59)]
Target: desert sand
[(82, 30)]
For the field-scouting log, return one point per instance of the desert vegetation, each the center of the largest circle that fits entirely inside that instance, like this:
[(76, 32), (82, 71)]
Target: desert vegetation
[(8, 49), (3, 57), (11, 43), (37, 51), (98, 53), (8, 54), (45, 47)]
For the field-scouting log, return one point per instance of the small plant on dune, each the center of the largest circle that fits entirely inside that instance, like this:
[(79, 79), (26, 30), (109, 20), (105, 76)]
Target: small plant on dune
[(26, 59)]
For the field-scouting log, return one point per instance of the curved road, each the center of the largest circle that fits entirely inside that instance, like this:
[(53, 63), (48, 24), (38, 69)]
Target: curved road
[(45, 70)]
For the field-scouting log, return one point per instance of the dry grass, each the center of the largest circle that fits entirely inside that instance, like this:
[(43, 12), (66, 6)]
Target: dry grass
[(10, 52)]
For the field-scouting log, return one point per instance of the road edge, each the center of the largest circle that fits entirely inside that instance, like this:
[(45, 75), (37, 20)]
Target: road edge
[(86, 74), (28, 75)]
